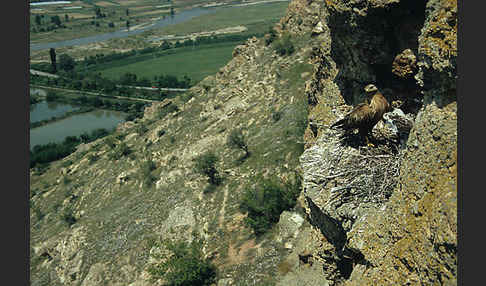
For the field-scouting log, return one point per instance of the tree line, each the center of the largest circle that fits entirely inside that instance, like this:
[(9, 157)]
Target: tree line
[(134, 109), (101, 58), (43, 154), (73, 75)]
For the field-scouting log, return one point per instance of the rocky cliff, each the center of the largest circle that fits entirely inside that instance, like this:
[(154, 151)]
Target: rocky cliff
[(382, 214), (385, 215)]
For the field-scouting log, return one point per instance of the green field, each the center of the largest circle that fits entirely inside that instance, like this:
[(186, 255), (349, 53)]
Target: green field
[(200, 61), (197, 63)]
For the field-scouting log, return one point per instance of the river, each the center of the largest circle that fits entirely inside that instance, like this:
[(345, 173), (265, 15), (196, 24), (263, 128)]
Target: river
[(170, 20)]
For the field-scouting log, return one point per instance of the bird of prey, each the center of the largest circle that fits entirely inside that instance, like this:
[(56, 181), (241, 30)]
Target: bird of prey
[(365, 116)]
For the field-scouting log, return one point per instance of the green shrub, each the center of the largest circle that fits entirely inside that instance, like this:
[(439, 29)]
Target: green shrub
[(284, 45), (236, 140), (267, 201), (205, 165), (66, 163), (146, 169), (185, 97), (185, 266), (276, 115), (68, 217), (110, 142), (141, 129), (120, 151), (210, 189), (37, 212), (92, 158), (270, 37), (167, 110), (51, 96)]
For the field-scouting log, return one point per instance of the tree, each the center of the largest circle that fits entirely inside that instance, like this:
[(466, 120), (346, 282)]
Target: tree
[(66, 62), (128, 78), (185, 266), (38, 19), (165, 45), (52, 53), (66, 17), (236, 140), (205, 165), (56, 20), (98, 12)]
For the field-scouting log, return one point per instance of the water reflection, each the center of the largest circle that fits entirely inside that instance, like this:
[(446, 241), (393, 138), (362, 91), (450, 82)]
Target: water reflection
[(46, 110), (75, 125), (52, 105)]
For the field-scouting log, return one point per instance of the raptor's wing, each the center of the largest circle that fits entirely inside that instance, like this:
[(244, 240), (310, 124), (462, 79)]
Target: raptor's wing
[(361, 115)]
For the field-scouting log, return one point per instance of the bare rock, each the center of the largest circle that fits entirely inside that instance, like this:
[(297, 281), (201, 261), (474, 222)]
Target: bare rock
[(318, 29), (289, 224), (405, 64), (414, 237)]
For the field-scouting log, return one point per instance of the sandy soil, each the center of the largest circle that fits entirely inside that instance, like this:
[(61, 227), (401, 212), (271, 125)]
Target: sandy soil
[(229, 30), (105, 4), (259, 2)]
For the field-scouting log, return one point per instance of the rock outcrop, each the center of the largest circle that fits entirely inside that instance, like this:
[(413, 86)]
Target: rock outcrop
[(390, 220)]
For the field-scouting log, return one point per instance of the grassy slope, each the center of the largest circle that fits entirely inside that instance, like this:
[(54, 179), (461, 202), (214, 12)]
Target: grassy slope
[(120, 221)]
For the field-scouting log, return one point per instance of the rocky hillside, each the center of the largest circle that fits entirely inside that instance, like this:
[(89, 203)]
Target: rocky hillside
[(381, 214)]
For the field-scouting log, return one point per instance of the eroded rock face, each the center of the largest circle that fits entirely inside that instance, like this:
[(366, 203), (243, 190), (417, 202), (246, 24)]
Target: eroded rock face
[(438, 52), (408, 236), (413, 237)]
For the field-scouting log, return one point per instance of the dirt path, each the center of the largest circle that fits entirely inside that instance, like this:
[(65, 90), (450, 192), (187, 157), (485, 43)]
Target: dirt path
[(222, 211), (35, 72)]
